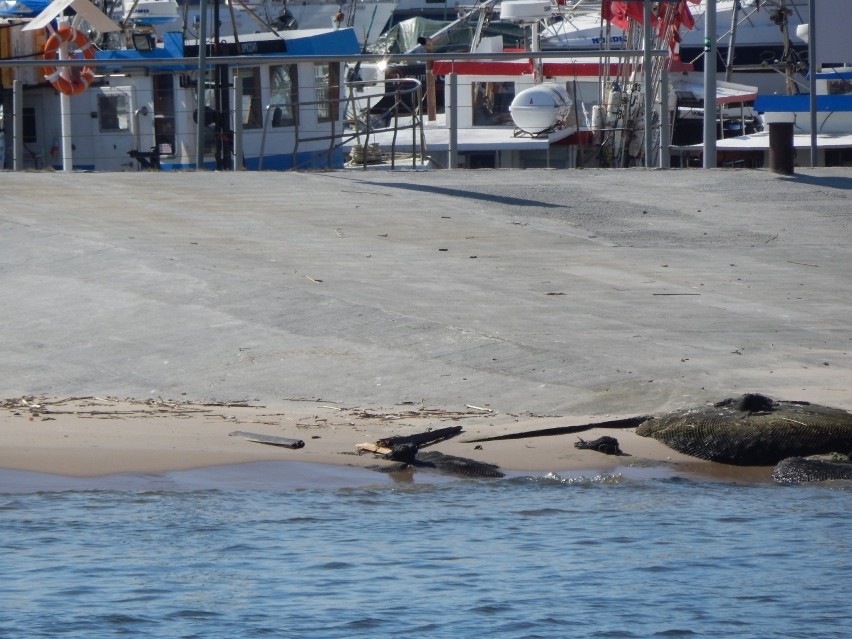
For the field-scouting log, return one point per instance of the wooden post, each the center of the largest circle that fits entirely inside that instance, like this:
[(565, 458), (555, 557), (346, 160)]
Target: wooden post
[(431, 99)]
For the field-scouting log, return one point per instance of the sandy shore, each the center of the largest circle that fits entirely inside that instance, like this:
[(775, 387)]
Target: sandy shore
[(99, 436), (346, 307)]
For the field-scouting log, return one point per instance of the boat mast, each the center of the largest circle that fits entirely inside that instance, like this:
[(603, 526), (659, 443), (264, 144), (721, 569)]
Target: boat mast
[(784, 19), (729, 60)]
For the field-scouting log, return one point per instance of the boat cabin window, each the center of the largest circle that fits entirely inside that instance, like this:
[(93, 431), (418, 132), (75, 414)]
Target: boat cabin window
[(29, 122), (327, 82), (839, 87), (283, 94), (114, 112), (252, 107), (838, 157), (491, 101)]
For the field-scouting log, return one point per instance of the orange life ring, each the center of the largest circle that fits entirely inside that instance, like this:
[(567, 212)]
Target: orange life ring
[(69, 80)]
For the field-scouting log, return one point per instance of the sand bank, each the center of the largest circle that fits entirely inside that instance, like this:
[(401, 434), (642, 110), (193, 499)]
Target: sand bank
[(98, 436)]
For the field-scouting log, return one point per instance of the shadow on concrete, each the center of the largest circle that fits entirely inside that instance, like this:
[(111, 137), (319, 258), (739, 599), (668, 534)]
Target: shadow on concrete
[(832, 182), (471, 195)]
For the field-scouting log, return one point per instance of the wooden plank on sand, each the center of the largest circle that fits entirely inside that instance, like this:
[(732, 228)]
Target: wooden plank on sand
[(372, 448)]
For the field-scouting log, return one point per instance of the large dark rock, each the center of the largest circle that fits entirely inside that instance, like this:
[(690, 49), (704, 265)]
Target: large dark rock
[(753, 430), (798, 470)]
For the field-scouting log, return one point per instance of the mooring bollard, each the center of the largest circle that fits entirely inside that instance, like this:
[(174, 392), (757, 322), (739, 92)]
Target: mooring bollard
[(782, 151)]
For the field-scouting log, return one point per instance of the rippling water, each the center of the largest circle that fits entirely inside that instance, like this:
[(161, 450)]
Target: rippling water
[(184, 555)]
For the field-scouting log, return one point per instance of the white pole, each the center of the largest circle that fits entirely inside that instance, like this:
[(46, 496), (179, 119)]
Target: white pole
[(65, 113), (812, 71), (67, 146), (239, 165), (710, 85), (535, 45)]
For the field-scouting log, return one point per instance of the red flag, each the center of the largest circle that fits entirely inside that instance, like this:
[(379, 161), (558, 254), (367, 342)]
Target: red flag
[(636, 11), (619, 18), (686, 18), (619, 12), (671, 18)]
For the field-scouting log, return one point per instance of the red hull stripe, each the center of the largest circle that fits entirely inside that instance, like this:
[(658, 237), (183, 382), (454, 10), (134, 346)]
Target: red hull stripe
[(549, 69)]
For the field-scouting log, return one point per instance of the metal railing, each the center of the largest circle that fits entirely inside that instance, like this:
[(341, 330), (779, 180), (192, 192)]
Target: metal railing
[(401, 110)]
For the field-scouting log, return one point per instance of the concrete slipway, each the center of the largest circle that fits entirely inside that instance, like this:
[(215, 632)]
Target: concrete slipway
[(530, 292)]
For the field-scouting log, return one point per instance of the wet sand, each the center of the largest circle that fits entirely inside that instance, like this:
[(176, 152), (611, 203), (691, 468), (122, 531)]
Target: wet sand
[(90, 437)]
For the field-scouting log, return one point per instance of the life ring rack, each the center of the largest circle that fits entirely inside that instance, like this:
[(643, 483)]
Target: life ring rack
[(69, 80)]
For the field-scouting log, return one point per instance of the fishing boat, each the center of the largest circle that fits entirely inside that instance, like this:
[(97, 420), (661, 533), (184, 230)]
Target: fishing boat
[(833, 133), (606, 124), (820, 122), (754, 38), (496, 113), (268, 107), (367, 18)]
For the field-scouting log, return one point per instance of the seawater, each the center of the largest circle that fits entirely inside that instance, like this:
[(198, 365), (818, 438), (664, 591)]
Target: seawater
[(205, 555)]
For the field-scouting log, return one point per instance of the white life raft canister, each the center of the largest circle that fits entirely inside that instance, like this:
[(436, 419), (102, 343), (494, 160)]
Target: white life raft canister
[(541, 108)]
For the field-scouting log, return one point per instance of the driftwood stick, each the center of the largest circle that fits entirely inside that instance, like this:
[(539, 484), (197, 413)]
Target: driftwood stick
[(420, 440), (239, 404), (286, 442), (112, 413), (627, 422)]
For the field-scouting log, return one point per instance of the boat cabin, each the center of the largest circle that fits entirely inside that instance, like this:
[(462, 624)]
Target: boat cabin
[(274, 109)]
